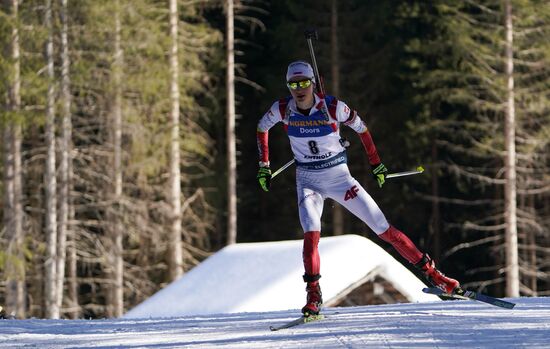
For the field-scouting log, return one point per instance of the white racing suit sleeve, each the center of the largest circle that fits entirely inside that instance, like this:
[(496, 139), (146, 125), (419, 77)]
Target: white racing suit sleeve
[(270, 118), (349, 117)]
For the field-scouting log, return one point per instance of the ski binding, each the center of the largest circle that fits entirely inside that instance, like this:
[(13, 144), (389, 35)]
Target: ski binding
[(298, 321)]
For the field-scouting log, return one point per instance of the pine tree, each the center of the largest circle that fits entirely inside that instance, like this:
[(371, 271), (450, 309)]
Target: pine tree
[(10, 70), (471, 89)]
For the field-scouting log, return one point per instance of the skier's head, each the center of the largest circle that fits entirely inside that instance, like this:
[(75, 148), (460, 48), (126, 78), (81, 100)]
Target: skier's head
[(299, 70), (300, 80)]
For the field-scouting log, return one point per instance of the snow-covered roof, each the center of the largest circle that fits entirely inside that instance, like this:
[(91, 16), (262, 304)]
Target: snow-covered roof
[(267, 276)]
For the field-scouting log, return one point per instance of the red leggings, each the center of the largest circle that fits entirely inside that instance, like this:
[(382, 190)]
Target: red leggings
[(402, 244), (310, 253)]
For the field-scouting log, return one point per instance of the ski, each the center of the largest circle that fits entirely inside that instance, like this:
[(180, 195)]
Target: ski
[(298, 321), (470, 295)]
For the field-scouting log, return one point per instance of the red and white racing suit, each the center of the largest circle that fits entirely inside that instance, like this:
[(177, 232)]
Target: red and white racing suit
[(321, 162)]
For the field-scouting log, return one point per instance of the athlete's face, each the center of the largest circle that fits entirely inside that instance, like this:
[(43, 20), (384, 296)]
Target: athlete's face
[(302, 91)]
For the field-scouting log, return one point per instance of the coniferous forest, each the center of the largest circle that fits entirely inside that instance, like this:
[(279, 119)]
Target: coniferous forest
[(128, 138)]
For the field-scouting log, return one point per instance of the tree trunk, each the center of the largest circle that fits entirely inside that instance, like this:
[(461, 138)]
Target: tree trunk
[(435, 219), (13, 191), (117, 291), (13, 222), (337, 210), (50, 282), (511, 235), (231, 141), (72, 281), (65, 153), (532, 250), (66, 207), (9, 210), (176, 256)]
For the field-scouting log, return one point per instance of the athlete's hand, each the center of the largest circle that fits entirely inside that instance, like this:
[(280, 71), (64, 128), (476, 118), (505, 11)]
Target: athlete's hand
[(380, 171), (264, 177)]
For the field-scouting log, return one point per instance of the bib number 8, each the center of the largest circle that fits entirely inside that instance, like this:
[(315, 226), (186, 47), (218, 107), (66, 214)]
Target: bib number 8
[(313, 147)]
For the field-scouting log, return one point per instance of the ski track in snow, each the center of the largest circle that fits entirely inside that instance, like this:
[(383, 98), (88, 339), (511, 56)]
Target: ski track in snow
[(451, 324)]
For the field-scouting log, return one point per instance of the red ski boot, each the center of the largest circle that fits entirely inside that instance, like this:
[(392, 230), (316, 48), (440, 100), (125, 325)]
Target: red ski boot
[(314, 299), (435, 277)]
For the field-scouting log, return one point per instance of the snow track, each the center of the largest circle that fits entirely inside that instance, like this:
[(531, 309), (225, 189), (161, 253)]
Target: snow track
[(452, 324)]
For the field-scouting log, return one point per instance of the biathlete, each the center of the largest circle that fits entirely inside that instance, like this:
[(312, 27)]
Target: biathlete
[(312, 124)]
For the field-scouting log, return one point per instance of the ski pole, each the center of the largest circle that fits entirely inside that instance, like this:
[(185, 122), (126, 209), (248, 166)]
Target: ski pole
[(282, 168), (310, 35), (418, 170)]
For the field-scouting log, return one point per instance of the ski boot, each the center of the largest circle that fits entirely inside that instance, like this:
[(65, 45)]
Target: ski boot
[(437, 278), (314, 296)]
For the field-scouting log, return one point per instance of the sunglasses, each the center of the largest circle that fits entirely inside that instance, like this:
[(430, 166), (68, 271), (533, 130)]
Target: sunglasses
[(293, 85)]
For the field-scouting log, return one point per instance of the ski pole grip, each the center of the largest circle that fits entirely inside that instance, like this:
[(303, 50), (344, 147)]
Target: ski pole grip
[(311, 34)]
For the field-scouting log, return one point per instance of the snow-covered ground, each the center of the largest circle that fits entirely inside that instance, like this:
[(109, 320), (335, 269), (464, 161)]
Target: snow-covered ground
[(451, 324)]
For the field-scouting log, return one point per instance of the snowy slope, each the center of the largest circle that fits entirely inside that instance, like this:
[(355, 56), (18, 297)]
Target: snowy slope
[(451, 324), (267, 276)]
